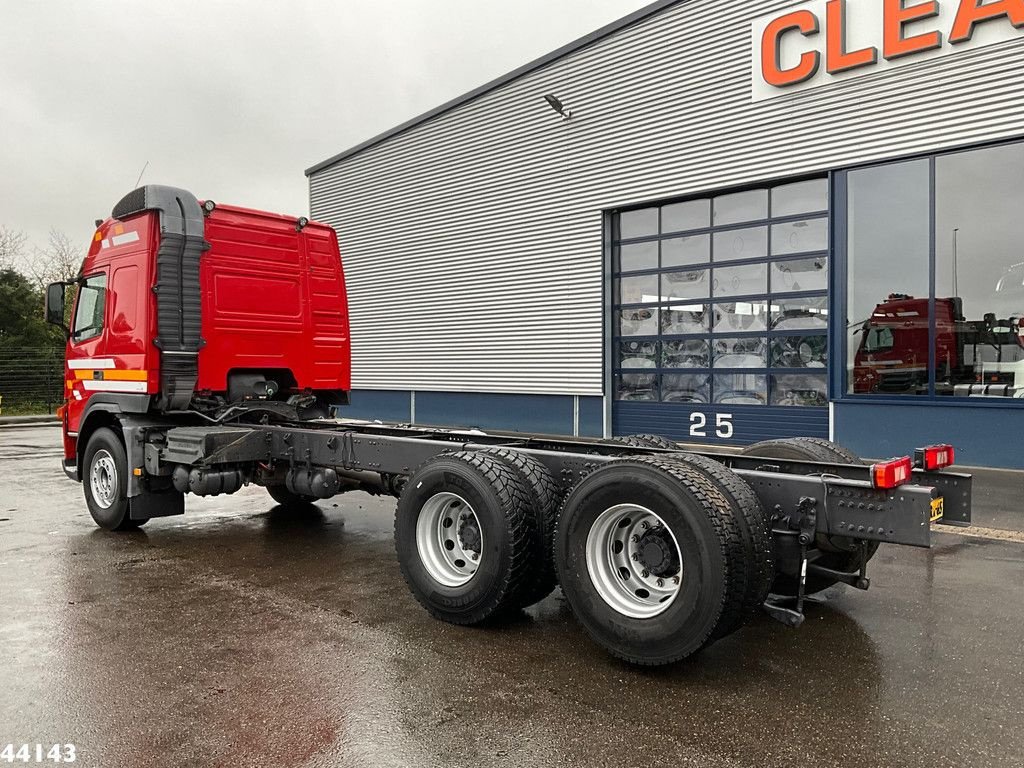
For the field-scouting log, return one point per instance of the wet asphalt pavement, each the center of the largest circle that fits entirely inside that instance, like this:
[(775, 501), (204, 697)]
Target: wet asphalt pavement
[(243, 635)]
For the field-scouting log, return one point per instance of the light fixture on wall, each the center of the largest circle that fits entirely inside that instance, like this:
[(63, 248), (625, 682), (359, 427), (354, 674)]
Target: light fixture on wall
[(556, 104)]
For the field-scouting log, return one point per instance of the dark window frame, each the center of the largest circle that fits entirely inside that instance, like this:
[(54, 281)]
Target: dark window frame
[(82, 285), (710, 335), (839, 282)]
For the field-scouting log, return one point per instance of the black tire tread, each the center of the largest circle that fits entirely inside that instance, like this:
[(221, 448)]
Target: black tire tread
[(758, 562), (287, 499), (727, 533), (547, 498), (657, 441), (515, 502)]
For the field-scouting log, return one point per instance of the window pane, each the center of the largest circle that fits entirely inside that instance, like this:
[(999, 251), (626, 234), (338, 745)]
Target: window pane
[(90, 308), (741, 388), (741, 353), (690, 388), (740, 207), (799, 389), (800, 275), (636, 386), (741, 316), (802, 197), (684, 318), (799, 314), (739, 281), (800, 351), (888, 222), (678, 286), (680, 251), (638, 256), (638, 354), (638, 223), (800, 237), (694, 214), (638, 322), (979, 273), (642, 289), (692, 353), (734, 244)]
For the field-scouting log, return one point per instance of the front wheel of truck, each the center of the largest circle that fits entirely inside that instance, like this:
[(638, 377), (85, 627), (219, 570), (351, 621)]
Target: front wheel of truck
[(105, 481)]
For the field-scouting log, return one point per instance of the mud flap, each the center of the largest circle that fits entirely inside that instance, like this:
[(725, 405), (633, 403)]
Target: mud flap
[(146, 505)]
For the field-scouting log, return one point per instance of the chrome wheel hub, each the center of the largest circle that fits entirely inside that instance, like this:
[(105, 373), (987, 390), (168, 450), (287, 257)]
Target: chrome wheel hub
[(103, 479), (634, 561), (449, 539)]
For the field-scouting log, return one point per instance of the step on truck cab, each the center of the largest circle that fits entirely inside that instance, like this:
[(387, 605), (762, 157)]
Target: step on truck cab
[(208, 343)]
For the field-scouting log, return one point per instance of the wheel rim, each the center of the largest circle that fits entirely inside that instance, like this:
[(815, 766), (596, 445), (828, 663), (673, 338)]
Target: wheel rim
[(449, 539), (103, 479), (634, 561)]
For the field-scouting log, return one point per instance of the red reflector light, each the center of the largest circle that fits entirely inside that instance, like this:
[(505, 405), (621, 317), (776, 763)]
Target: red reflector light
[(934, 457), (889, 474)]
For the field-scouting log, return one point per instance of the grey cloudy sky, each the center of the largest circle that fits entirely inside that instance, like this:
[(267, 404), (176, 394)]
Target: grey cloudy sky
[(233, 99)]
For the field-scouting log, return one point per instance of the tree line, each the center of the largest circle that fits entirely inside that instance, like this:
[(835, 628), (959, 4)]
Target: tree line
[(25, 271)]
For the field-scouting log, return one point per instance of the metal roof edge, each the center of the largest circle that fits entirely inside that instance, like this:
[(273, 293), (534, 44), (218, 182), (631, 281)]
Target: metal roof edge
[(565, 50)]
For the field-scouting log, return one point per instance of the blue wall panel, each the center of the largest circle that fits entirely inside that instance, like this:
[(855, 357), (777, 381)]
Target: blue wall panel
[(751, 423), (550, 414), (592, 417), (376, 404), (982, 436)]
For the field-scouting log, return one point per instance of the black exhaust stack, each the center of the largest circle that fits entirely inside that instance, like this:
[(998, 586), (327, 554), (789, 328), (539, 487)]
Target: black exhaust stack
[(178, 298)]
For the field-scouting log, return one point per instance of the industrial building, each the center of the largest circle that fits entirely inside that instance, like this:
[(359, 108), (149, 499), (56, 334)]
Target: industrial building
[(719, 222)]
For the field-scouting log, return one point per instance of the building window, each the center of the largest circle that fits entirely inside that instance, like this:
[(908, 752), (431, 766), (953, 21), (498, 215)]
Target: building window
[(724, 299), (935, 276)]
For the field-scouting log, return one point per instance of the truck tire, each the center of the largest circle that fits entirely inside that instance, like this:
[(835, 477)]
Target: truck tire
[(757, 563), (546, 496), (105, 481), (645, 441), (647, 551), (462, 534), (837, 553), (287, 499)]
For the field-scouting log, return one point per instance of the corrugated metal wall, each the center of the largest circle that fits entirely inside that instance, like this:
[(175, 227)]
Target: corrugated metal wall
[(473, 242)]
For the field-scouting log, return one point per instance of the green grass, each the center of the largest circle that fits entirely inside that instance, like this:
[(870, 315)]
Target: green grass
[(25, 409)]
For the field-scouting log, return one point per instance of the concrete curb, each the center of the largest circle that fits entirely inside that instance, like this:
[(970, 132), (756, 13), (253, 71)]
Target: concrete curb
[(29, 421)]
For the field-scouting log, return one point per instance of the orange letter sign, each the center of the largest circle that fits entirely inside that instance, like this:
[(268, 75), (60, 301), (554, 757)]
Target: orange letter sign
[(897, 16), (971, 13), (839, 60), (771, 43)]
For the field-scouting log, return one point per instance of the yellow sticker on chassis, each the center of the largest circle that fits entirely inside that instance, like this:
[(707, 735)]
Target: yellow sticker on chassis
[(936, 509)]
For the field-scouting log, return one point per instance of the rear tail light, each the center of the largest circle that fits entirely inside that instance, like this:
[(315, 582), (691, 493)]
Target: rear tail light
[(892, 473), (934, 457)]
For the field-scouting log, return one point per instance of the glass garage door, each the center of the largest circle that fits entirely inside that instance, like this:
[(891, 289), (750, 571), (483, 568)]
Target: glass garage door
[(720, 316)]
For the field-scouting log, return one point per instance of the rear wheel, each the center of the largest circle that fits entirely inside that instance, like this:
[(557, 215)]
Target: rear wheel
[(836, 553), (462, 534), (756, 567), (645, 441), (105, 481), (646, 551), (546, 496), (286, 498)]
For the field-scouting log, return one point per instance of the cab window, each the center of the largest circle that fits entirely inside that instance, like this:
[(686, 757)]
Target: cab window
[(90, 308), (878, 340)]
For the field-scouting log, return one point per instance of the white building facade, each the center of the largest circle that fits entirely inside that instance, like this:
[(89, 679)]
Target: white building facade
[(747, 220)]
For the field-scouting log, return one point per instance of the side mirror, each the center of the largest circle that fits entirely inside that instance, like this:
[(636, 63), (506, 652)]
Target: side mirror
[(55, 304)]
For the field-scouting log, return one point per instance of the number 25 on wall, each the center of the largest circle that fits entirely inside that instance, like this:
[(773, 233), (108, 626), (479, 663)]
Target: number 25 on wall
[(699, 425)]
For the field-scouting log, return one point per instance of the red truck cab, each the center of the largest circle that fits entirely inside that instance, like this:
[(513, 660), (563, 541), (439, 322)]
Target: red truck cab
[(190, 307)]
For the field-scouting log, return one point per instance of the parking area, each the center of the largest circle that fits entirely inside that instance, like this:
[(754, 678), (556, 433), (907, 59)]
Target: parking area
[(241, 634)]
